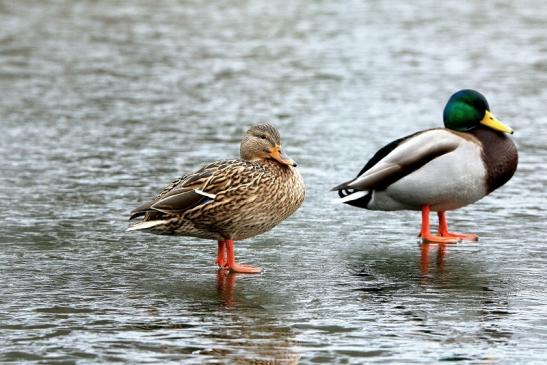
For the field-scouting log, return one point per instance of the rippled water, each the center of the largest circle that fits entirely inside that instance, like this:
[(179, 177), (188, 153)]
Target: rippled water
[(102, 103)]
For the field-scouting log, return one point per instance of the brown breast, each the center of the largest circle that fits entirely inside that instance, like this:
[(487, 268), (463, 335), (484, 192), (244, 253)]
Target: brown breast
[(499, 154)]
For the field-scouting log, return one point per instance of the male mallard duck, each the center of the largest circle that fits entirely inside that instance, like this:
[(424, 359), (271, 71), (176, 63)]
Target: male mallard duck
[(230, 199), (438, 169)]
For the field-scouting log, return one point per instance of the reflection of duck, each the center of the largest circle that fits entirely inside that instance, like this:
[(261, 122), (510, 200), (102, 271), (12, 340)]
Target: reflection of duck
[(424, 257), (266, 341), (230, 199), (438, 169), (225, 286)]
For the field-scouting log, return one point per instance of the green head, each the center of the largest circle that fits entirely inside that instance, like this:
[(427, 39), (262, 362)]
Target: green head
[(467, 109)]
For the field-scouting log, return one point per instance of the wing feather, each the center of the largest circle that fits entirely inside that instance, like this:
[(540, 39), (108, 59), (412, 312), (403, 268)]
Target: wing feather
[(402, 157), (191, 190)]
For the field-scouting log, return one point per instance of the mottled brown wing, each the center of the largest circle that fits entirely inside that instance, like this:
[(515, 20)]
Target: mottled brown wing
[(188, 191)]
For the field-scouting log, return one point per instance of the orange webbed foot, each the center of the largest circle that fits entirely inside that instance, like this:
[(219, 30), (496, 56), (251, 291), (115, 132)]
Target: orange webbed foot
[(245, 269), (431, 238), (443, 230), (461, 236), (235, 267)]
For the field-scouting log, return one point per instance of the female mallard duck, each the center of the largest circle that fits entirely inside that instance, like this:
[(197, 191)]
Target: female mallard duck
[(438, 169), (230, 199)]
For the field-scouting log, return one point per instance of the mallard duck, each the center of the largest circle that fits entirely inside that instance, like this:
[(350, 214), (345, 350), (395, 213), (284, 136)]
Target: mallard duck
[(438, 169), (229, 200)]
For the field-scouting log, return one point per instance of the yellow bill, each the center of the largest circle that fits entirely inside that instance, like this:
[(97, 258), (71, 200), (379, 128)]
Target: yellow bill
[(490, 121)]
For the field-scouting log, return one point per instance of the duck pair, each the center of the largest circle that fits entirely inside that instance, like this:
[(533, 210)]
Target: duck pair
[(438, 169)]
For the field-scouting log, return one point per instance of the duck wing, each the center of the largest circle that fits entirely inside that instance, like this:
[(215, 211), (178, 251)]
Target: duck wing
[(188, 191), (400, 158)]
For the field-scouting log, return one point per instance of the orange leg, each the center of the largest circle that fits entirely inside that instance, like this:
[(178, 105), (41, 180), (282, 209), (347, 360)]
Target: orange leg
[(221, 254), (233, 266), (426, 235), (443, 230)]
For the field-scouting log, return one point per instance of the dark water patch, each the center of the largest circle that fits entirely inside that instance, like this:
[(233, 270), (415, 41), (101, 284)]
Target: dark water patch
[(20, 356), (160, 326), (63, 310), (456, 358)]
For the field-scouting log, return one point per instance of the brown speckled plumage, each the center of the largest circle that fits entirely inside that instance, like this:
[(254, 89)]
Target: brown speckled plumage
[(229, 199)]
